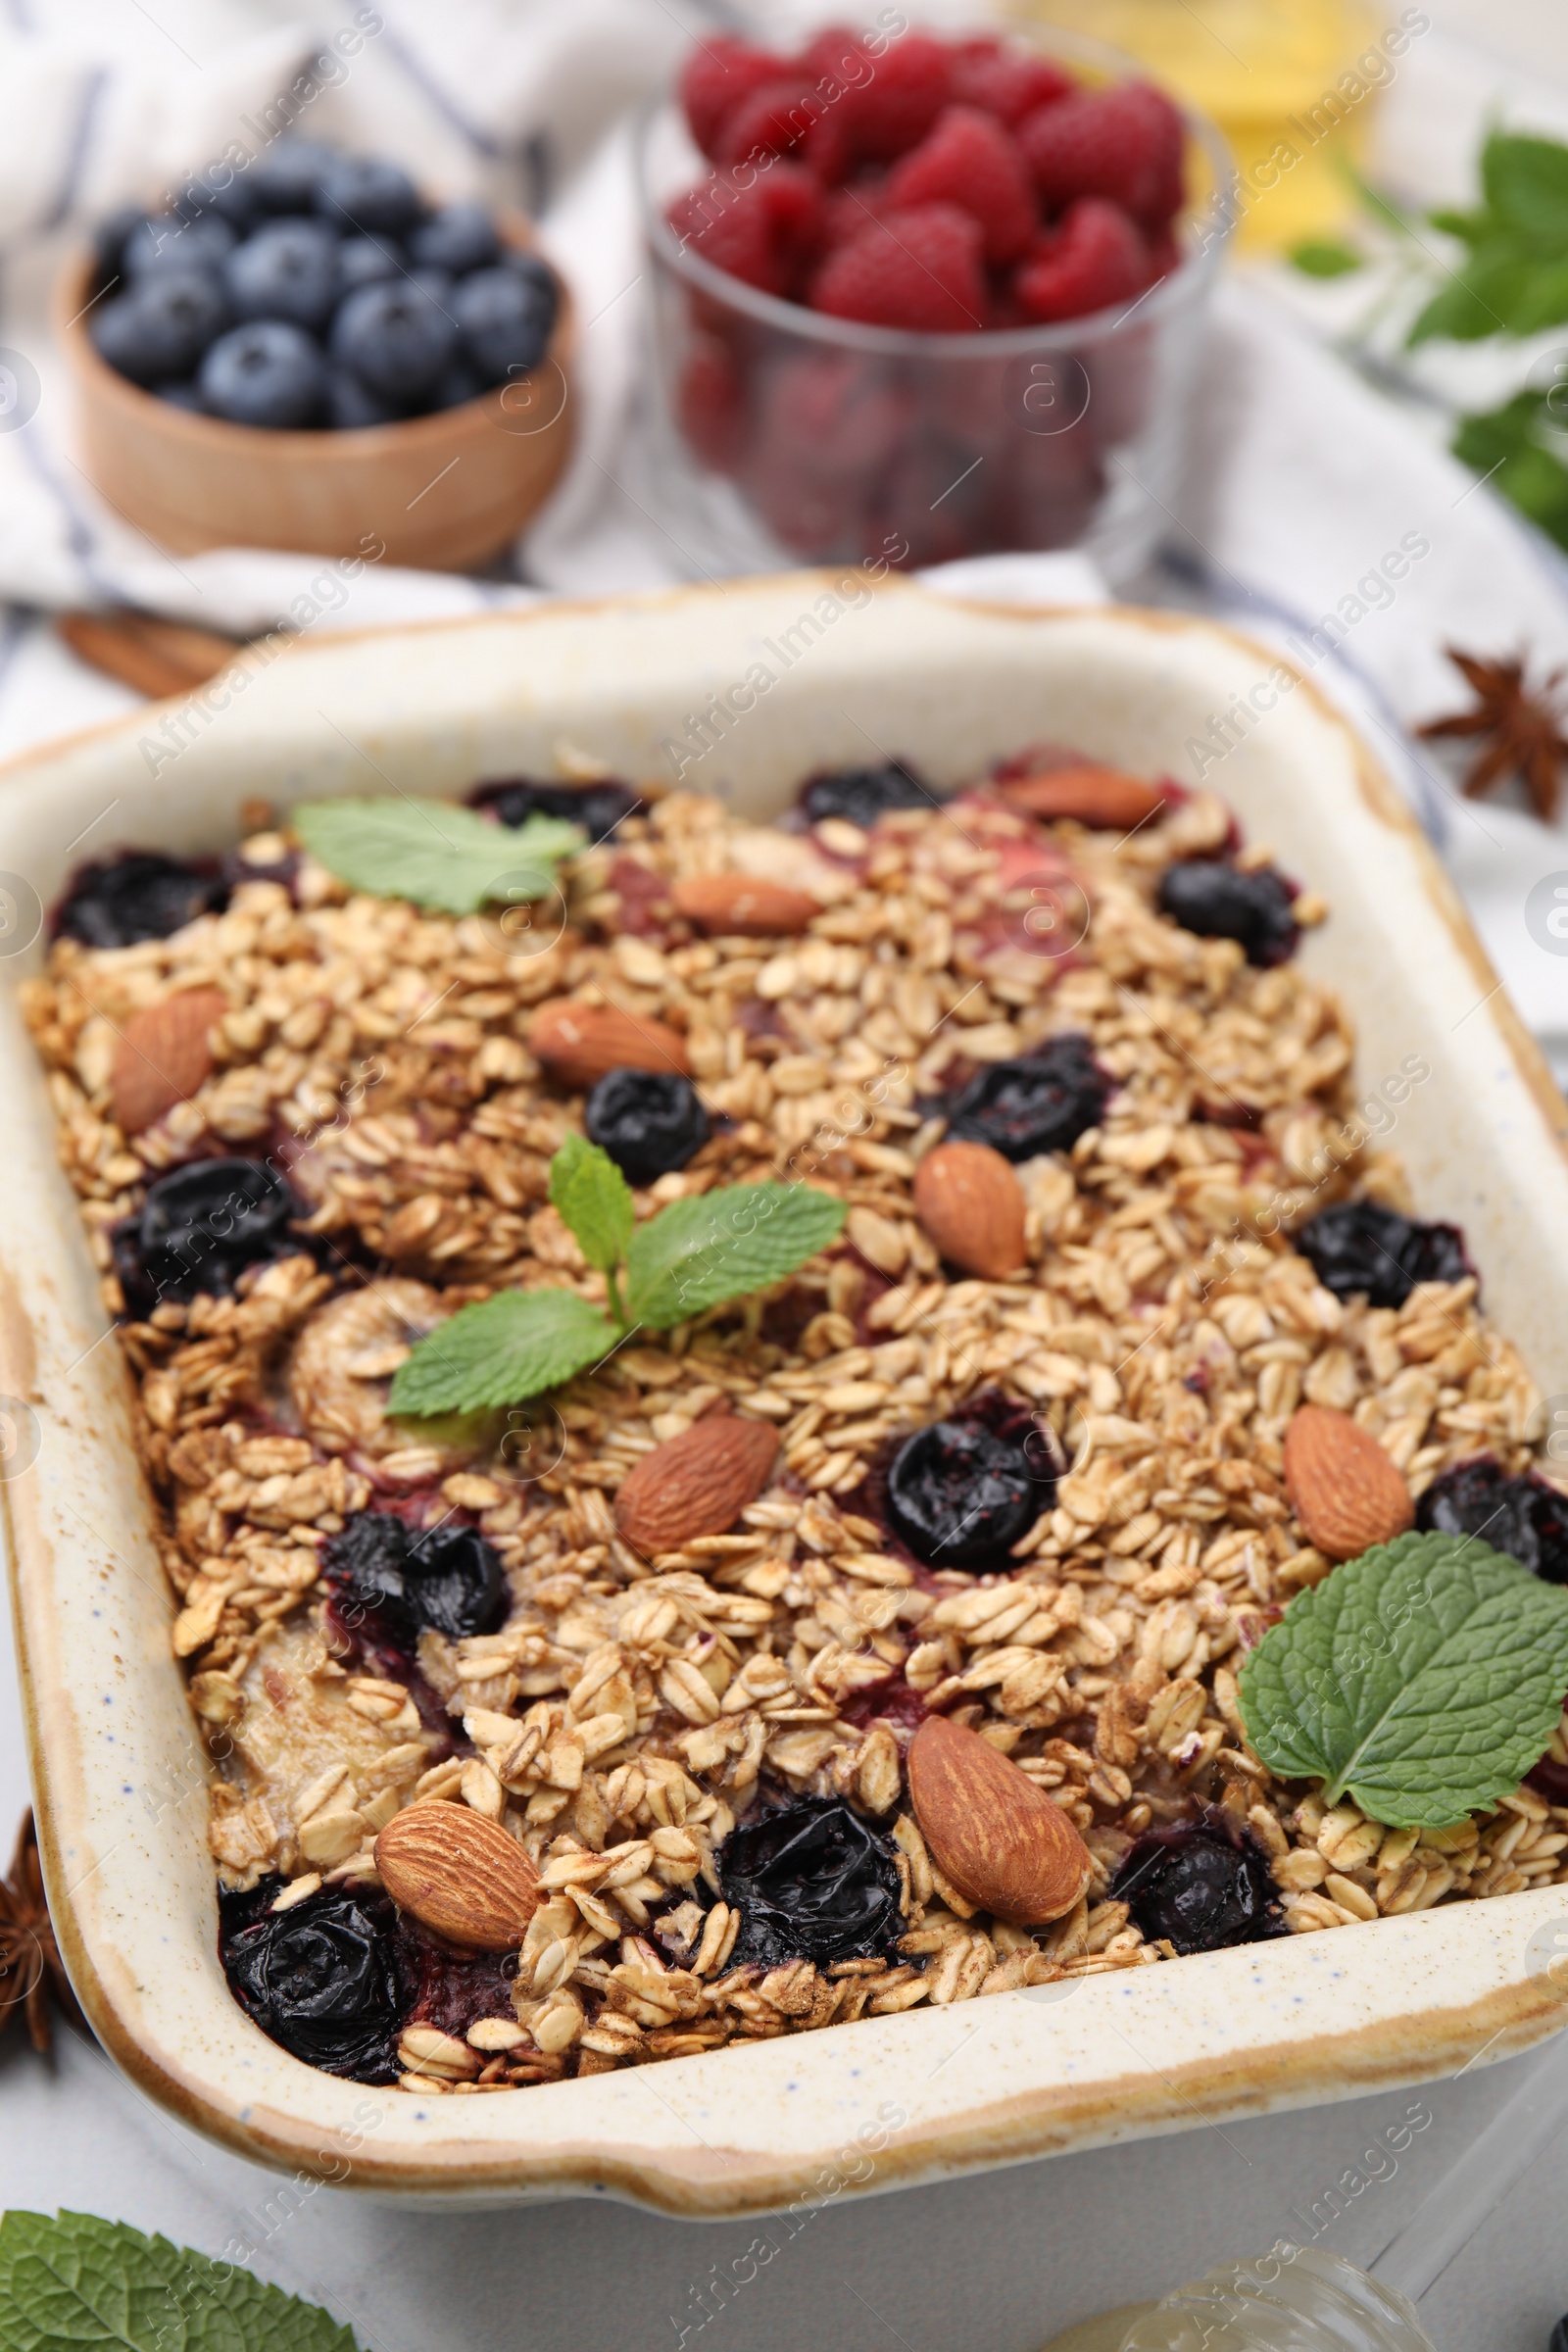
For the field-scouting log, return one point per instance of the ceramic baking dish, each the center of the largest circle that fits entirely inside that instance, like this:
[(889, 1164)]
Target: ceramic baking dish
[(889, 2101)]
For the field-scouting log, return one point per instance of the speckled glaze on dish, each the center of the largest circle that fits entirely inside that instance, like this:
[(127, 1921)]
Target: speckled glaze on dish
[(116, 1764)]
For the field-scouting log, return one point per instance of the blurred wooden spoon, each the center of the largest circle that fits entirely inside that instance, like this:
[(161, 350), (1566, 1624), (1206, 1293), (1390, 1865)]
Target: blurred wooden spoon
[(156, 657)]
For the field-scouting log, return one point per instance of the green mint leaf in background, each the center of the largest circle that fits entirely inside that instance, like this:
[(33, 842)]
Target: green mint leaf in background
[(1525, 181), (1323, 258), (500, 1351), (72, 2281), (434, 853), (1425, 1678), (1504, 445), (718, 1246), (1489, 291), (594, 1198)]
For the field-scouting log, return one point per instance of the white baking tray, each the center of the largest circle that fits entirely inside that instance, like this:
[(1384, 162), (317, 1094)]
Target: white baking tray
[(858, 671)]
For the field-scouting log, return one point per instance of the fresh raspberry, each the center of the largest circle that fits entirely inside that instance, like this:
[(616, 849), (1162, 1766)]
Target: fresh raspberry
[(1125, 143), (1009, 84), (1095, 258), (968, 160), (774, 119), (888, 103), (719, 74), (920, 269), (710, 403), (847, 210), (767, 233)]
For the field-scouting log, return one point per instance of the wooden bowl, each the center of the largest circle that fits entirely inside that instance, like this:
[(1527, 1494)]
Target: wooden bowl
[(443, 492)]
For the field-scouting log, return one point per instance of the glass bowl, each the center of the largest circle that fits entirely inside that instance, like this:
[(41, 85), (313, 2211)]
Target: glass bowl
[(769, 434)]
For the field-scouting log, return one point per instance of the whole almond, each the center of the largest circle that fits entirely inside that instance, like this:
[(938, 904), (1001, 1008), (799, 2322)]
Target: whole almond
[(1094, 795), (697, 1484), (459, 1873), (971, 1204), (741, 907), (580, 1044), (1001, 1840), (162, 1057), (1343, 1488)]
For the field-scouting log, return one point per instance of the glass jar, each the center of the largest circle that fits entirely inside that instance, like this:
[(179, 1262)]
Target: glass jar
[(1296, 2299), (769, 434)]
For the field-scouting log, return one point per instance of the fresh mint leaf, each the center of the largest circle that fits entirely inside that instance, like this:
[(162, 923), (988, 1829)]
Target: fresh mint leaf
[(1525, 181), (500, 1351), (720, 1245), (434, 853), (73, 2281), (595, 1200), (1484, 298), (1425, 1678), (1503, 446), (1323, 258)]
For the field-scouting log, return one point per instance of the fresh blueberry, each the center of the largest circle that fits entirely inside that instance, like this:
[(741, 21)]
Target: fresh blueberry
[(366, 262), (117, 902), (1215, 900), (183, 396), (437, 283), (649, 1121), (264, 373), (961, 1496), (600, 809), (1361, 1246), (110, 236), (287, 271), (864, 794), (395, 339), (158, 332), (288, 177), (166, 243), (351, 409), (458, 386), (1043, 1101), (368, 192), (506, 316), (236, 203), (459, 238)]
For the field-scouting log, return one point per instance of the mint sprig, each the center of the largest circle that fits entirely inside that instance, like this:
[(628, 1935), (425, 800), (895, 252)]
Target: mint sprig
[(694, 1255), (73, 2281), (1424, 1678), (435, 854)]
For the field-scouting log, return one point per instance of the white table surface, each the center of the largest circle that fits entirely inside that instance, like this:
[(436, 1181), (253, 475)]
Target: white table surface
[(997, 2262)]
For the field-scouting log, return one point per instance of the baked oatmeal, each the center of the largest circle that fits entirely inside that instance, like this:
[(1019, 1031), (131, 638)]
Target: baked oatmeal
[(872, 1635)]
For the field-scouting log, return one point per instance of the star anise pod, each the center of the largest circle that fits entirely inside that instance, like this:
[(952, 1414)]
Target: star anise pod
[(31, 1971), (1519, 728)]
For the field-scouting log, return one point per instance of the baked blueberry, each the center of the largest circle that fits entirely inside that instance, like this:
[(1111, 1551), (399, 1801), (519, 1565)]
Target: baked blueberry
[(114, 902), (164, 243), (1199, 1886), (158, 332), (1523, 1516), (961, 1496), (600, 809), (1217, 900), (449, 1581), (368, 192), (199, 1228), (1040, 1101), (366, 262), (861, 795), (289, 175), (322, 1979), (395, 339), (649, 1121), (1361, 1246), (459, 237), (505, 317), (287, 270), (812, 1880), (266, 373)]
